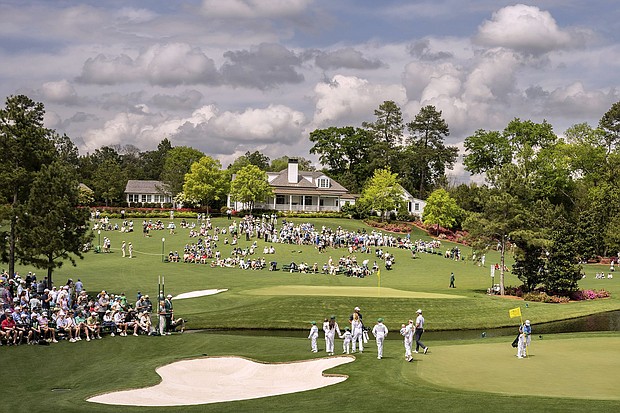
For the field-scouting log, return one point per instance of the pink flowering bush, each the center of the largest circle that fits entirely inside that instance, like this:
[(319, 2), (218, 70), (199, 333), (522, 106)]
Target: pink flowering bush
[(589, 295)]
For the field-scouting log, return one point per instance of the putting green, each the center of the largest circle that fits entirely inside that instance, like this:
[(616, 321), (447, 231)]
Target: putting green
[(587, 368), (344, 292)]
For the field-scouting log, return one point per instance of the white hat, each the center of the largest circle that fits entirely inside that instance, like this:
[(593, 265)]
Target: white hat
[(356, 309), (419, 311), (527, 322)]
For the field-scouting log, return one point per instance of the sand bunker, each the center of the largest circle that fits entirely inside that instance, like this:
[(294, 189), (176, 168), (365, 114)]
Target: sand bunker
[(194, 294), (222, 379)]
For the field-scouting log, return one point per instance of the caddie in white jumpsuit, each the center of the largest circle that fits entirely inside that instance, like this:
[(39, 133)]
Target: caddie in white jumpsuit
[(407, 332), (313, 336), (380, 331), (331, 328)]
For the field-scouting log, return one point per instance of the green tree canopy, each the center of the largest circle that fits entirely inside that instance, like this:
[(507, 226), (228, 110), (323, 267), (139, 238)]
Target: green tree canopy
[(428, 152), (51, 227), (383, 192), (25, 146), (281, 163), (250, 186), (178, 162), (345, 152), (206, 181), (441, 210)]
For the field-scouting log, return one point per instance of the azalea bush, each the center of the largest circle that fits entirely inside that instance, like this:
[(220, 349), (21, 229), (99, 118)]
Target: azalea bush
[(589, 295), (543, 297)]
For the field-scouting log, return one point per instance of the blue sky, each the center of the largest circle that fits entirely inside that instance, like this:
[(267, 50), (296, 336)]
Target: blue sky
[(230, 76)]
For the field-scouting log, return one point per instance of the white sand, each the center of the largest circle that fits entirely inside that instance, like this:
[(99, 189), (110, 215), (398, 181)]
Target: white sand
[(222, 379), (201, 293)]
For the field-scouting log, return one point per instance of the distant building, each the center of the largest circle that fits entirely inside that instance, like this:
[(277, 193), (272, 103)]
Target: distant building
[(139, 192), (415, 206), (301, 191)]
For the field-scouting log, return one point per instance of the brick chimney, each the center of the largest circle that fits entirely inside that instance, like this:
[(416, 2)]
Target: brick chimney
[(293, 171)]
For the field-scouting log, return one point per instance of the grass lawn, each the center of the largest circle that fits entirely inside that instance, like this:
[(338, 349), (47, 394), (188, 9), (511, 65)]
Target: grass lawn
[(449, 378), (455, 376), (265, 299)]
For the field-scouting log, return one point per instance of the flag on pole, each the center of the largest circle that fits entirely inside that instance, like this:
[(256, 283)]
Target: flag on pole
[(379, 281), (515, 312)]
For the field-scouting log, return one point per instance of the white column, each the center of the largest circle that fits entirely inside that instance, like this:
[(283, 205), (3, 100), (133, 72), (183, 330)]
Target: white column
[(318, 203), (303, 203), (290, 202)]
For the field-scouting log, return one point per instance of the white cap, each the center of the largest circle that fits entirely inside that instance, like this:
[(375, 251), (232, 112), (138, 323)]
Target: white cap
[(419, 311), (356, 309), (527, 322)]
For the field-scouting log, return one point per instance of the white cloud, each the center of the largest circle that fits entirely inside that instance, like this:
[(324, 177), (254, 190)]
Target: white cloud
[(526, 29), (215, 132), (59, 92), (346, 98), (161, 64)]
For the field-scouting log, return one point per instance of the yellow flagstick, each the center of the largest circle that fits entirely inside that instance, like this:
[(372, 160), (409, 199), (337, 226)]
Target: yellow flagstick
[(379, 281)]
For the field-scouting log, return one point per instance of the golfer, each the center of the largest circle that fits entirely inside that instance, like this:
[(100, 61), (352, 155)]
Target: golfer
[(525, 337), (419, 330), (452, 280), (313, 336), (380, 331)]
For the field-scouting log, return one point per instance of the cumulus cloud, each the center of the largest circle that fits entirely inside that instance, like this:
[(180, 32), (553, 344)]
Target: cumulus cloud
[(351, 99), (493, 77), (262, 67), (347, 58), (422, 50), (207, 127), (61, 92), (161, 64), (526, 29), (419, 75), (254, 9)]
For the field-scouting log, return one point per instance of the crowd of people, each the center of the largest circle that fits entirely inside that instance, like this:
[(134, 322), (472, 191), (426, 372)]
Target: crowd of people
[(32, 313)]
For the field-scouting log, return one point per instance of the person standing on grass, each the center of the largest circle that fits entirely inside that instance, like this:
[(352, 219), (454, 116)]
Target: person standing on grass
[(313, 336), (380, 331), (419, 330), (452, 280), (130, 250), (525, 337), (331, 328), (346, 344), (357, 329), (407, 332), (124, 249), (162, 317)]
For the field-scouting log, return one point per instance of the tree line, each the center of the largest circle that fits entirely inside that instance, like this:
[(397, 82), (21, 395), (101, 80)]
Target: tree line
[(544, 195)]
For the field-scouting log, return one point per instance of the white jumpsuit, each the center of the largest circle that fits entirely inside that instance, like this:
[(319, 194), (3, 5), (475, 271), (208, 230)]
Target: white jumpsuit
[(357, 334), (380, 331), (330, 334), (314, 334)]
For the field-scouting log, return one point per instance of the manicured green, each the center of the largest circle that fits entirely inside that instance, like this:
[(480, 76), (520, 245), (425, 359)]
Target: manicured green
[(281, 300), (87, 369)]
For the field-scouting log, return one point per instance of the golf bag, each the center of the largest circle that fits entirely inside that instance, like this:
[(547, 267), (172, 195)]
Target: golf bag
[(515, 342)]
